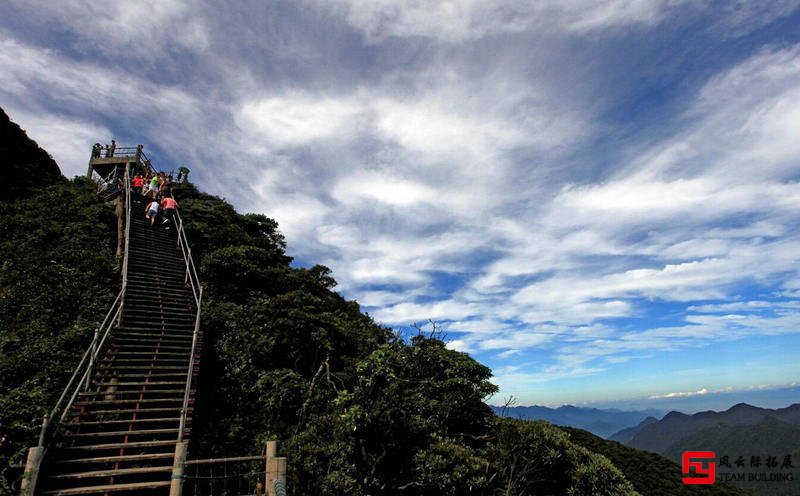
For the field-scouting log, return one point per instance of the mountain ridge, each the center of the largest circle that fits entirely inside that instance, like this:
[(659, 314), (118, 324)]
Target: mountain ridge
[(603, 423), (656, 436)]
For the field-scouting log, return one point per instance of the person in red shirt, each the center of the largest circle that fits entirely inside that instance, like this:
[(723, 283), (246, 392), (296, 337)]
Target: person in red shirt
[(137, 183), (169, 205)]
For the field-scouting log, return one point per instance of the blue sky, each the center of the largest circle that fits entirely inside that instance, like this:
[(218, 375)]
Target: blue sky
[(599, 200)]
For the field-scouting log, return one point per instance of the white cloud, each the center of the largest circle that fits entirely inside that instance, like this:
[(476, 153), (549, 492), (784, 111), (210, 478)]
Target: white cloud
[(455, 22), (141, 30), (298, 119), (686, 394)]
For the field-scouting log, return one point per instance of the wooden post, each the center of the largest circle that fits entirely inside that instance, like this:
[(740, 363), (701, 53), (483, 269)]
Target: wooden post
[(32, 465), (120, 210), (276, 468), (279, 464), (178, 464), (269, 481)]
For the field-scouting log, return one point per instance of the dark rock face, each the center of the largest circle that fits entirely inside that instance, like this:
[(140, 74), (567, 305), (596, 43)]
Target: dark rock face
[(24, 166)]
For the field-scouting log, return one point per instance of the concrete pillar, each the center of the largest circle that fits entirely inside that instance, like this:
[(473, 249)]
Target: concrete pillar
[(178, 464), (32, 465)]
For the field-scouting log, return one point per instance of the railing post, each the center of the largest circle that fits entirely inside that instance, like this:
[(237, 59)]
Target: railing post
[(269, 481), (178, 467), (32, 465), (91, 359), (276, 468)]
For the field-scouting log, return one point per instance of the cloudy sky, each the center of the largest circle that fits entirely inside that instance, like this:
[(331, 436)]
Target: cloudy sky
[(597, 199)]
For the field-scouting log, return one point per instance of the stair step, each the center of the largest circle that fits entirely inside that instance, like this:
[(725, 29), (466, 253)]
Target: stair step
[(156, 347), (124, 353), (154, 308), (180, 372), (136, 384), (135, 444), (135, 486), (156, 317), (176, 328), (128, 402), (152, 268), (149, 393), (144, 291), (139, 304), (129, 411), (160, 342), (161, 359), (169, 277), (121, 433), (140, 336), (160, 420), (121, 458), (158, 367), (114, 473), (127, 394)]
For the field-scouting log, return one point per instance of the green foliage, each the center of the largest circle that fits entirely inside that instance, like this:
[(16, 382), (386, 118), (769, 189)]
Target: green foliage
[(537, 458), (413, 421), (57, 279), (24, 167)]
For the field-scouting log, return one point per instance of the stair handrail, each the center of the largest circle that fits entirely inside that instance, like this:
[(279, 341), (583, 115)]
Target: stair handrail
[(100, 334), (197, 292), (127, 237), (91, 353)]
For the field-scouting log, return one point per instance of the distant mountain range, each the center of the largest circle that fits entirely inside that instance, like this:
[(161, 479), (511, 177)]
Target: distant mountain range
[(659, 437), (625, 435), (741, 431), (602, 423)]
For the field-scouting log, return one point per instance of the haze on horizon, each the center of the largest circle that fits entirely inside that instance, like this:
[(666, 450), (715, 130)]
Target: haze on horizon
[(598, 200)]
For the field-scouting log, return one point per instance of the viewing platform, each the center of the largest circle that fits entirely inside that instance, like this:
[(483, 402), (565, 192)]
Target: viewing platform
[(105, 162)]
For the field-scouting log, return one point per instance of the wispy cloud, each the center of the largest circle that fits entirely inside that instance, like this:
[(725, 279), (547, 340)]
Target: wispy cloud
[(686, 394)]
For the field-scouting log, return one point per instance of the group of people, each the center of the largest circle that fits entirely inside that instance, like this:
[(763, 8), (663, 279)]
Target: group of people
[(152, 185), (97, 149), (158, 189)]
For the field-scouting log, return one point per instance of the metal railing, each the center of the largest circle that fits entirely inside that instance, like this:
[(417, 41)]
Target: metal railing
[(86, 364), (193, 282), (126, 152), (92, 353)]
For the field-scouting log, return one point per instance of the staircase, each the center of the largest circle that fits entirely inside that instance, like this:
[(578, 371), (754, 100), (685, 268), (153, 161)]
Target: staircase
[(120, 434)]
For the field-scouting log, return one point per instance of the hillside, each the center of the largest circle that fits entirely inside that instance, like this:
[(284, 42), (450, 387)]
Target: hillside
[(650, 474), (24, 166), (625, 435), (770, 437), (658, 436), (742, 431)]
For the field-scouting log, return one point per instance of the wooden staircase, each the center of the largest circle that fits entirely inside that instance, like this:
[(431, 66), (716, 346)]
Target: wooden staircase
[(120, 434)]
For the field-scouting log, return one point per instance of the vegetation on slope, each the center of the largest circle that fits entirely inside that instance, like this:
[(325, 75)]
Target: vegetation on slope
[(25, 167), (650, 474), (57, 280)]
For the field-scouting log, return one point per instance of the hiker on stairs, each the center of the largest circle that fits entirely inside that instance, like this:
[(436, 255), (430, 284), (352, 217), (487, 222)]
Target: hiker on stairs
[(151, 211), (169, 204)]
